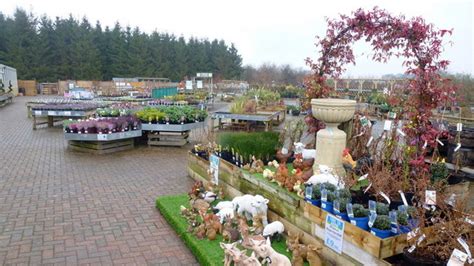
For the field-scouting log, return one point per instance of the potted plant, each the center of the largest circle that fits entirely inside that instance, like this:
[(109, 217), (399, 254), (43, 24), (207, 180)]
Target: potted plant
[(381, 226), (327, 202), (339, 206), (360, 216), (316, 196), (382, 208)]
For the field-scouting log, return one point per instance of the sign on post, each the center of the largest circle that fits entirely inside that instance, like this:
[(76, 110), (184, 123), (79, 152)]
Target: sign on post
[(334, 233), (204, 75), (189, 84), (214, 161), (199, 84)]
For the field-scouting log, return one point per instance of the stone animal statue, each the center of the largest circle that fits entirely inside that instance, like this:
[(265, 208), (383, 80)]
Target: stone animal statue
[(313, 255), (325, 176), (302, 252), (223, 205), (229, 233), (246, 243), (199, 205), (210, 232), (213, 221), (257, 226), (228, 252), (241, 259), (274, 230), (250, 206), (281, 174), (200, 231), (225, 214), (264, 250), (307, 153), (198, 187)]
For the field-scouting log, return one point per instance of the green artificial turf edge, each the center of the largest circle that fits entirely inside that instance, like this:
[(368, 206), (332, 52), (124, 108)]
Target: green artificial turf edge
[(206, 252)]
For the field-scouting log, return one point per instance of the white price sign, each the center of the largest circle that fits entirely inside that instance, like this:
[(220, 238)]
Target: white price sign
[(214, 161), (101, 136), (37, 112), (334, 233), (51, 113), (67, 113)]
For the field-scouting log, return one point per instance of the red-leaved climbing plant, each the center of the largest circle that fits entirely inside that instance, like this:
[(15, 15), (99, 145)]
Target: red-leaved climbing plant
[(413, 39)]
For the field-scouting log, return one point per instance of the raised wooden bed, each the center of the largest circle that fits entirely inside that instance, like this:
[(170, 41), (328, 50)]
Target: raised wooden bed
[(102, 143), (55, 116), (169, 134), (359, 247), (101, 147), (163, 138)]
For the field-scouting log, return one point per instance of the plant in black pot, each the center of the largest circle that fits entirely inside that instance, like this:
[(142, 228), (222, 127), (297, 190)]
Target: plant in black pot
[(359, 215), (439, 171), (381, 225)]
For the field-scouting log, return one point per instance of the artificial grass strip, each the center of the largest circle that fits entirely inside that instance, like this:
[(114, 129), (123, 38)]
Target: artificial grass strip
[(207, 252)]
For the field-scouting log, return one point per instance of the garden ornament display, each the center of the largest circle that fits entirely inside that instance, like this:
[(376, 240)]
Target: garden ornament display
[(230, 233), (306, 153), (257, 225), (313, 255), (226, 214), (199, 205), (223, 205), (241, 259), (302, 164), (264, 250), (325, 176), (228, 248), (273, 230), (209, 196), (251, 206), (281, 174)]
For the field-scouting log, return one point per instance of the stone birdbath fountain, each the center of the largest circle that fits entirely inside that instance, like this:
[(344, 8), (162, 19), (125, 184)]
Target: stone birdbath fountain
[(331, 141)]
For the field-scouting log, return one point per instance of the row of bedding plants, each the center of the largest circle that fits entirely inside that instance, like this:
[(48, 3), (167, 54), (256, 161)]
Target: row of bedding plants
[(102, 125), (68, 106), (171, 115)]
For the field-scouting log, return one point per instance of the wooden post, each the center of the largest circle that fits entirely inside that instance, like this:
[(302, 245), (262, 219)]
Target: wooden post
[(50, 121), (34, 122)]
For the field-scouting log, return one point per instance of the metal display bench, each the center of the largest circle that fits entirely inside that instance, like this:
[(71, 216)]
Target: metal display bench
[(55, 115), (169, 134), (244, 121), (102, 143), (5, 99)]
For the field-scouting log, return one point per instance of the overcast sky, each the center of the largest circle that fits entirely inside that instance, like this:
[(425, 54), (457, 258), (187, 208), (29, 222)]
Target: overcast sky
[(280, 32)]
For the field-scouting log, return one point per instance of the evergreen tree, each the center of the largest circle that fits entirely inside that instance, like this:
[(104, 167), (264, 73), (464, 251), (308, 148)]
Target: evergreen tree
[(65, 48)]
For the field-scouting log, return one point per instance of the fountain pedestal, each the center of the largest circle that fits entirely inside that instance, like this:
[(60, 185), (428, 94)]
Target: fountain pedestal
[(331, 141)]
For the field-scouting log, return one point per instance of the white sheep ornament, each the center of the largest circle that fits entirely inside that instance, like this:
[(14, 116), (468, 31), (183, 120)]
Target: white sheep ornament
[(307, 153), (274, 230), (325, 176), (251, 206)]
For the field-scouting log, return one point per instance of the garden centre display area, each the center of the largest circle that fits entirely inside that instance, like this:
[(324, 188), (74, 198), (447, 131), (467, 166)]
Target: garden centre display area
[(362, 199)]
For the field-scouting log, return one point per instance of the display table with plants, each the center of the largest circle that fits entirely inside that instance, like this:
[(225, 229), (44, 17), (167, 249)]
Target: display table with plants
[(102, 135), (5, 98), (170, 125), (59, 111), (243, 121)]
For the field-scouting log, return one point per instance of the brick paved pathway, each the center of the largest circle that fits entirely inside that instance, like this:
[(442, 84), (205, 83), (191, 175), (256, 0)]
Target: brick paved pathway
[(62, 207)]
